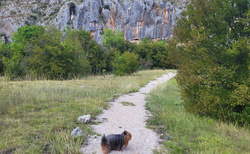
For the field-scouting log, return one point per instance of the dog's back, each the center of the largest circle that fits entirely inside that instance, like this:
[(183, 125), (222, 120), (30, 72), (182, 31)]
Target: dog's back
[(115, 141)]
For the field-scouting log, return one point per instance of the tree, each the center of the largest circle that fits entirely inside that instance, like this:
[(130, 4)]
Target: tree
[(126, 64), (5, 53), (152, 54), (210, 46), (12, 55), (113, 40), (27, 33), (58, 57), (96, 57)]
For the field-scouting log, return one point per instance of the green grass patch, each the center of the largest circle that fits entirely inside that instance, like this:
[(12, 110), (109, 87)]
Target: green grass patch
[(38, 116), (127, 104), (184, 132)]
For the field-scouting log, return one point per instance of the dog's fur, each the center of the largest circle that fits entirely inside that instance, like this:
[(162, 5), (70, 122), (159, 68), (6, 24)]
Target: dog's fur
[(115, 141)]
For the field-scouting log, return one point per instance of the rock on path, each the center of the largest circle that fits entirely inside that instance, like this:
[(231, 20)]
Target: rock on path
[(131, 118)]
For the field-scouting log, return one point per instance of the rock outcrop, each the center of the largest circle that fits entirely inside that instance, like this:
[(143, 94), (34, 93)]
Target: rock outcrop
[(137, 19)]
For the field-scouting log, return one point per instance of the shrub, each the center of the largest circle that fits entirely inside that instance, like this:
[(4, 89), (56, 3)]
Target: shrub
[(44, 5), (126, 64), (12, 12), (14, 67), (56, 10), (213, 61), (33, 17)]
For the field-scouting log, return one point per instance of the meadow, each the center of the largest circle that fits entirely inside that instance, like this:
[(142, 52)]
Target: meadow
[(38, 116), (183, 132)]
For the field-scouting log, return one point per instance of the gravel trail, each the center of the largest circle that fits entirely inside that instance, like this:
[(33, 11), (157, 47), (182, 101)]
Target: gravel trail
[(122, 117)]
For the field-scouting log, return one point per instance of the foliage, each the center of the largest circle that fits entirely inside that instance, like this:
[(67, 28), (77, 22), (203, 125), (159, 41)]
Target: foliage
[(5, 53), (152, 54), (27, 34), (96, 57), (14, 66), (113, 39), (210, 46), (126, 64), (11, 59), (46, 52)]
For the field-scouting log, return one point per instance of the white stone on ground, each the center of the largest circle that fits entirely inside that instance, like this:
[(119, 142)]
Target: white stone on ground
[(84, 119), (77, 132)]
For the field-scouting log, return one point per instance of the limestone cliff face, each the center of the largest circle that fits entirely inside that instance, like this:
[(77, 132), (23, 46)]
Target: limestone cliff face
[(135, 18)]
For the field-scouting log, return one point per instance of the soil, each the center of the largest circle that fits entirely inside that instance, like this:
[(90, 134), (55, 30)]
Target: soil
[(130, 116)]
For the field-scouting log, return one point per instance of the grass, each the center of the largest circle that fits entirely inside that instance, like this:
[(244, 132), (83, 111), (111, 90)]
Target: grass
[(38, 116), (127, 104), (184, 132)]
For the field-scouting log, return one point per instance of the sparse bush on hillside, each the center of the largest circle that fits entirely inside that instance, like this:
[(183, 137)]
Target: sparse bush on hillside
[(33, 17), (56, 10), (44, 5), (12, 12)]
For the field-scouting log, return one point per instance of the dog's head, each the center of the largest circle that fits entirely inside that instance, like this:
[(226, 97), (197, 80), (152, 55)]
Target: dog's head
[(127, 136)]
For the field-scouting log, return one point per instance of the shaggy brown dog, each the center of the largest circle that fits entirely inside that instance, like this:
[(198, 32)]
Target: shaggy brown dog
[(115, 141)]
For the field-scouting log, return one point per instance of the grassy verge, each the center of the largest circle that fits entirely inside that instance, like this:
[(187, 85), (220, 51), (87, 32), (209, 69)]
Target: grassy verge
[(38, 116), (183, 132)]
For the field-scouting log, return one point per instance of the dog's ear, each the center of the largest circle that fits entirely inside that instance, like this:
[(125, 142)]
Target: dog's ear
[(125, 133)]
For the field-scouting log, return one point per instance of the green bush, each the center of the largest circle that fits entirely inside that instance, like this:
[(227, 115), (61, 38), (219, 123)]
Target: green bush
[(14, 66), (113, 39), (126, 64), (5, 53), (44, 5), (152, 54), (38, 52), (211, 51)]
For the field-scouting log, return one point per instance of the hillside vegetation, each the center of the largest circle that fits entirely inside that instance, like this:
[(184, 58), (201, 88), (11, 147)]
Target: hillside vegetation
[(45, 52)]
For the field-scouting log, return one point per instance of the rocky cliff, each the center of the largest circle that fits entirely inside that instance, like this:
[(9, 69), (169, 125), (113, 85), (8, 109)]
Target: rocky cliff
[(135, 18)]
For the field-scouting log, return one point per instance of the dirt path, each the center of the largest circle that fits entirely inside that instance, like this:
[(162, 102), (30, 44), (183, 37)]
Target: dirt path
[(122, 117)]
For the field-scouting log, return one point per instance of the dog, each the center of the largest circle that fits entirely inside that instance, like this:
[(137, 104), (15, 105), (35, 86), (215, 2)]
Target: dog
[(115, 141)]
